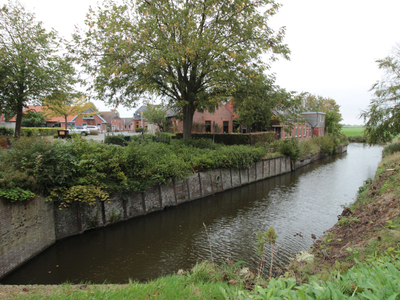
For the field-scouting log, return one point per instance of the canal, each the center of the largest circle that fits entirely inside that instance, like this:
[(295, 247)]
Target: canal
[(307, 201)]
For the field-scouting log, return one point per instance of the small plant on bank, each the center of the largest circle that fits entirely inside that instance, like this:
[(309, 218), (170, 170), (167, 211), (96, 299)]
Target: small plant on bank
[(16, 194), (263, 238), (79, 193)]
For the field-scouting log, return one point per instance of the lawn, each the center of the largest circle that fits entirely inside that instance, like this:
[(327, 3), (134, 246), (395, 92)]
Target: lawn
[(353, 130)]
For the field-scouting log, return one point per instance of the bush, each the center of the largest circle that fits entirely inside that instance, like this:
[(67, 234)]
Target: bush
[(38, 131), (290, 147), (139, 129), (94, 132), (390, 149), (236, 138), (115, 139), (6, 131)]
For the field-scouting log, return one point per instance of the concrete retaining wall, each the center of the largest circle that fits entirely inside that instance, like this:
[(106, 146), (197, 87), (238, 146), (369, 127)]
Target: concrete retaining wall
[(28, 228)]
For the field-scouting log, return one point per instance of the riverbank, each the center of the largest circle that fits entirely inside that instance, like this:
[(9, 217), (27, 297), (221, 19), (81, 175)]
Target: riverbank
[(375, 207)]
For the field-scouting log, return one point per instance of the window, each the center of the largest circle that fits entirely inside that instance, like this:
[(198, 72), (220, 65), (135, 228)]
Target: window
[(208, 126), (84, 124), (226, 126), (137, 124)]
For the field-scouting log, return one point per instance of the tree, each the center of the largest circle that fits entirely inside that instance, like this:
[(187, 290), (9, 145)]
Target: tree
[(333, 117), (30, 68), (33, 118), (156, 114), (382, 118), (257, 100), (61, 105), (190, 52)]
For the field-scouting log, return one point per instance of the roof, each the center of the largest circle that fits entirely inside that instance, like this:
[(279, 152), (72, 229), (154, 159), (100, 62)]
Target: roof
[(109, 115), (47, 119), (138, 112)]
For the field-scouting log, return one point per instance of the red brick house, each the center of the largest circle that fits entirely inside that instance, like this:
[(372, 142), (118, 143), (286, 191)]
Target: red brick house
[(89, 117), (313, 125), (203, 121), (113, 120)]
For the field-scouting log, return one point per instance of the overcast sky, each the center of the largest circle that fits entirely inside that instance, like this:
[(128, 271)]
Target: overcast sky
[(334, 44)]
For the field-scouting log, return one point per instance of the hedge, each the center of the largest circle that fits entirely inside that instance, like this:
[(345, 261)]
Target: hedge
[(38, 131), (235, 138)]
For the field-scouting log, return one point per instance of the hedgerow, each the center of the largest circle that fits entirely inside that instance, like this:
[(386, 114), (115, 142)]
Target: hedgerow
[(40, 166)]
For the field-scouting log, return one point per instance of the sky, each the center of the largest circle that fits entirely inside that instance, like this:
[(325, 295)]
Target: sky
[(333, 44)]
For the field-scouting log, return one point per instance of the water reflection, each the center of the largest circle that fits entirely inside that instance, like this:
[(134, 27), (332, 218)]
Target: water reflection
[(307, 200)]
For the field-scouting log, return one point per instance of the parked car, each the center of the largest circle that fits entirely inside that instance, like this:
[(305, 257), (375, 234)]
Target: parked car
[(79, 129), (93, 127)]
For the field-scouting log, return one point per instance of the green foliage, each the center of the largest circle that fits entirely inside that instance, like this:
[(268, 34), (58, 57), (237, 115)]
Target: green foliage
[(89, 194), (316, 103), (16, 194), (6, 131), (115, 139), (42, 131), (235, 139), (33, 118), (155, 114), (256, 98), (390, 149), (191, 53), (382, 121), (290, 147), (346, 221), (29, 59)]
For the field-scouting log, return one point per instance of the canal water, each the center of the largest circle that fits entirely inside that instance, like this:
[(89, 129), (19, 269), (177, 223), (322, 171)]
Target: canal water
[(307, 201)]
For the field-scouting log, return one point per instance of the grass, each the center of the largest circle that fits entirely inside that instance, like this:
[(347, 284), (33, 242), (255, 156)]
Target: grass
[(353, 130)]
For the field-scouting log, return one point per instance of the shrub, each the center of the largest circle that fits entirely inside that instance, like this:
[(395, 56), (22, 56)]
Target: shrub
[(139, 129), (236, 138), (326, 144), (115, 139), (38, 131), (290, 147), (6, 131), (390, 149), (94, 132)]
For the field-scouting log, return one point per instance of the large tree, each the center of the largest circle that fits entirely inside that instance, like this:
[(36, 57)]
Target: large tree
[(187, 51), (333, 117), (62, 105), (30, 67), (382, 118), (156, 114), (257, 101)]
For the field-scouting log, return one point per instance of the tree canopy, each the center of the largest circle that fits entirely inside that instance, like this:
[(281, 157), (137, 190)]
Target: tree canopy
[(333, 117), (258, 101), (63, 106), (156, 114), (30, 67), (190, 52), (382, 118), (33, 118)]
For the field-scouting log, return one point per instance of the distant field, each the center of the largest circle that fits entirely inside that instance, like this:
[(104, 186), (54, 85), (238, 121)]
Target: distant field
[(353, 131)]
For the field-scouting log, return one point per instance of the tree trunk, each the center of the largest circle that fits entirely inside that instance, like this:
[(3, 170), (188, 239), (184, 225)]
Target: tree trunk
[(18, 120), (66, 125), (188, 112)]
